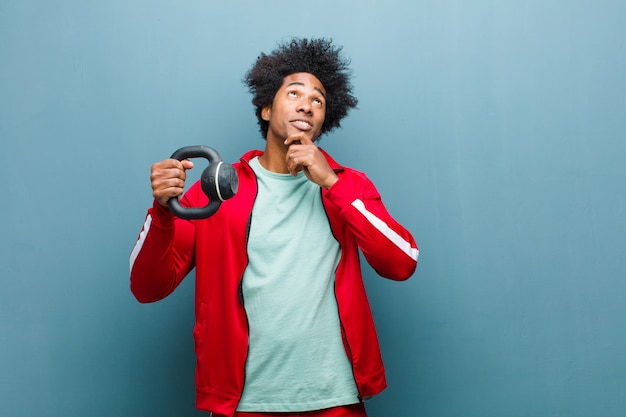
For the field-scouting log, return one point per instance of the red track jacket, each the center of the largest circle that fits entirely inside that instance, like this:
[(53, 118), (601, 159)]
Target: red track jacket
[(168, 248)]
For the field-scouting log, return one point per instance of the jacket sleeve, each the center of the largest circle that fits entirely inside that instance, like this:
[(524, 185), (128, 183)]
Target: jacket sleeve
[(387, 246), (163, 254)]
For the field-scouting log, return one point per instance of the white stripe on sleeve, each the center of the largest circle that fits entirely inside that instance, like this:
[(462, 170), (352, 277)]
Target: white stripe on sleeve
[(142, 238), (388, 232)]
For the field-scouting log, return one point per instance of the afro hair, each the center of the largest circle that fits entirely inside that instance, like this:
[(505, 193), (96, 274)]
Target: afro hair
[(314, 56)]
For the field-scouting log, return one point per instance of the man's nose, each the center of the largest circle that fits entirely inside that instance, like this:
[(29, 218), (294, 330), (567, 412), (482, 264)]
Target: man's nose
[(304, 106)]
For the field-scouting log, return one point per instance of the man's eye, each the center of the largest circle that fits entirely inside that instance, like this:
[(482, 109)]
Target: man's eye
[(292, 94)]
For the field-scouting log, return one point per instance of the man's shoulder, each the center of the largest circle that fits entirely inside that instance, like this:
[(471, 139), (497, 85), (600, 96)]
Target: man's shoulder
[(343, 170), (249, 155)]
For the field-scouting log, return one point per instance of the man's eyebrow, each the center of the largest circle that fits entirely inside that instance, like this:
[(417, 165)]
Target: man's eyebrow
[(302, 84)]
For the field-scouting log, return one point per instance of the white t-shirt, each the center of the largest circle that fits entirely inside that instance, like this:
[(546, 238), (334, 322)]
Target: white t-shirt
[(296, 359)]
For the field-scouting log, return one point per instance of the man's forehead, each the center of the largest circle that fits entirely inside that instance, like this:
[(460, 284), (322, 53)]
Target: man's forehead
[(304, 79)]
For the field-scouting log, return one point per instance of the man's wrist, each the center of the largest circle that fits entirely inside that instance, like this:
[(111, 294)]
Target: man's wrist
[(333, 180)]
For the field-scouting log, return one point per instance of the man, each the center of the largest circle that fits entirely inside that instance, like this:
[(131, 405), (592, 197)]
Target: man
[(283, 324)]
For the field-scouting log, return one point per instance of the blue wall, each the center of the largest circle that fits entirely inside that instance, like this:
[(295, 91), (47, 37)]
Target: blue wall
[(496, 132)]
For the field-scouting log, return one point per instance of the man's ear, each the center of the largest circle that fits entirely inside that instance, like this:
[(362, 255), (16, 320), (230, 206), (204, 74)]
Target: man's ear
[(266, 112)]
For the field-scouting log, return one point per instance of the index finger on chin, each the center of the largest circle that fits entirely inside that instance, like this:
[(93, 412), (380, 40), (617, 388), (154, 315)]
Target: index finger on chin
[(300, 138)]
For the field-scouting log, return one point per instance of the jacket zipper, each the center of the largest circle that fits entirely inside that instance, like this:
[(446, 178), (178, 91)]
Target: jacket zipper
[(351, 358), (240, 289)]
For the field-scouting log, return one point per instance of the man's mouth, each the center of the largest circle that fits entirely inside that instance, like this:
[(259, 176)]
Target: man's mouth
[(302, 124)]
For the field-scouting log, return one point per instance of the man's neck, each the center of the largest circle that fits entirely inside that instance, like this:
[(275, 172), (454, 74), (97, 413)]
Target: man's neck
[(274, 157)]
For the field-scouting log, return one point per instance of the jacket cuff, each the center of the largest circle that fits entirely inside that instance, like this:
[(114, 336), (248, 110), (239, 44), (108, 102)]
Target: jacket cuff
[(342, 193), (162, 216)]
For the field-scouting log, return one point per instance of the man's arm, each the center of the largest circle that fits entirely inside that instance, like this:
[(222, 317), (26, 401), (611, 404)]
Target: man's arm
[(163, 253), (388, 247)]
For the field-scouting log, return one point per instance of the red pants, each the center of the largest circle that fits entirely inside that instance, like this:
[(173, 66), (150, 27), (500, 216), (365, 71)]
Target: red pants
[(355, 410)]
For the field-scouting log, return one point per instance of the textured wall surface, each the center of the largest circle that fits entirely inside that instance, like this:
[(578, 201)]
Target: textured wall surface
[(495, 132)]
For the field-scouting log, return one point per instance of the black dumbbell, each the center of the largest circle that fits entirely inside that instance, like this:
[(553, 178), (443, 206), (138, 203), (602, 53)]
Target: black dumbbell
[(219, 181)]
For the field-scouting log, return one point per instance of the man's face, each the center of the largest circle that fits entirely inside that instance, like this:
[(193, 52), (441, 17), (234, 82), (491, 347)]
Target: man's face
[(299, 107)]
